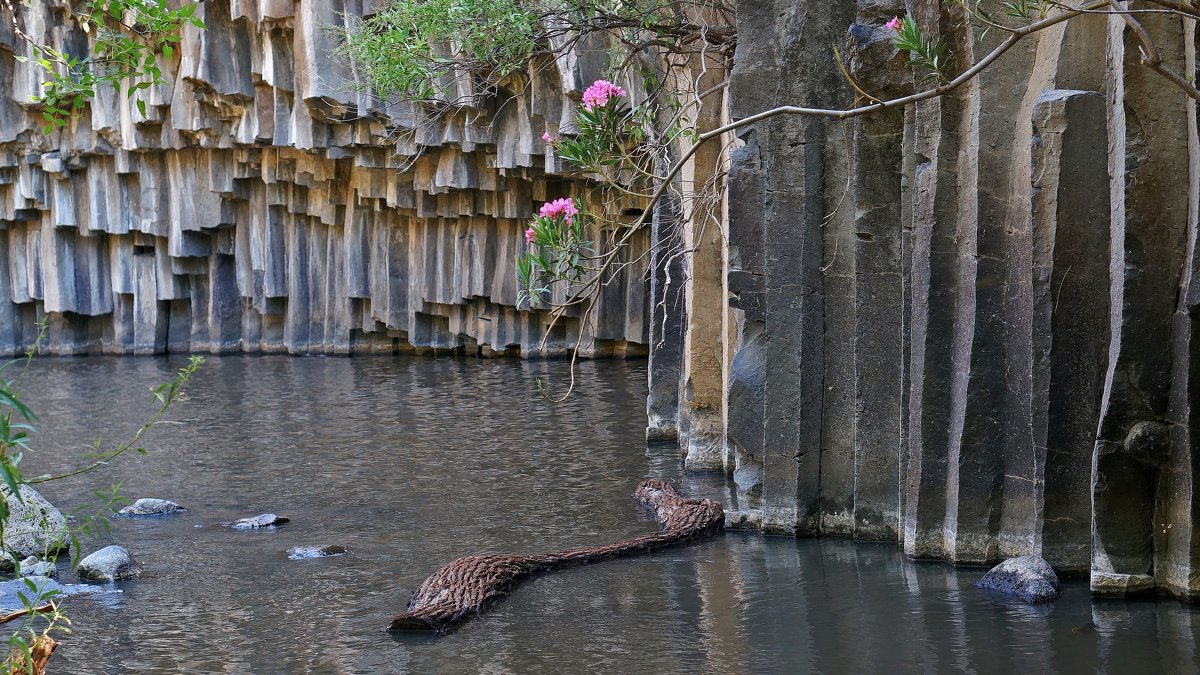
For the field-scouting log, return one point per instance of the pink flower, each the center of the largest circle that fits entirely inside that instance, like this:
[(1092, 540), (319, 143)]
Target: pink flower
[(895, 24), (599, 93), (529, 235), (547, 137), (564, 207)]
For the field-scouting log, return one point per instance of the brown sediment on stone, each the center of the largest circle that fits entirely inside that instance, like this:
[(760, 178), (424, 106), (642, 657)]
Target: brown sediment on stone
[(459, 590)]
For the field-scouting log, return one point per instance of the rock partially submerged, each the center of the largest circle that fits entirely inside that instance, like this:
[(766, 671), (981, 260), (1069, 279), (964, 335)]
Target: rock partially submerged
[(257, 522), (151, 507), (111, 563), (34, 527), (43, 590), (33, 567), (1029, 578), (307, 552)]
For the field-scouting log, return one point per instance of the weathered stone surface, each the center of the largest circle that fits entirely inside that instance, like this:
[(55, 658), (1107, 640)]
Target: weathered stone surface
[(111, 563), (259, 521), (33, 567), (307, 552), (151, 507), (1029, 578), (264, 206), (969, 326), (34, 527)]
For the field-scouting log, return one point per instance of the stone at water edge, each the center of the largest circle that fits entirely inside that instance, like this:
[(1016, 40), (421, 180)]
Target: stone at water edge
[(260, 521), (34, 527), (33, 567), (151, 507), (308, 552), (1029, 578), (111, 563)]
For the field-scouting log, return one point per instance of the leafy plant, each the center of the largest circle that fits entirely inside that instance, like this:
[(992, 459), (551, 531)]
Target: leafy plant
[(128, 38)]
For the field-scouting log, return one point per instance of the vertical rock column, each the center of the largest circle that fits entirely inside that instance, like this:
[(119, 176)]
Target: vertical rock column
[(703, 384), (1149, 130), (777, 196)]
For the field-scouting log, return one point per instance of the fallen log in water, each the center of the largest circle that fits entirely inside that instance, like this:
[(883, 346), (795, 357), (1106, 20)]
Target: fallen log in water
[(461, 589)]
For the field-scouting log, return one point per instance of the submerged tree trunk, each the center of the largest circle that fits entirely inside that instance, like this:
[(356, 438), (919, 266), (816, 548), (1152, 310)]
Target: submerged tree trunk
[(459, 590)]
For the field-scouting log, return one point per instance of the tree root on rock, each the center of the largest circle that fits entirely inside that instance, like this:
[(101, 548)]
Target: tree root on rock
[(458, 591)]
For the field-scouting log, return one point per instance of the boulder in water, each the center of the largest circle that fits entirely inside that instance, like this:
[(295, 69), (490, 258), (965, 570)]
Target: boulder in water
[(257, 522), (307, 552), (111, 563), (1028, 577), (32, 567), (151, 507), (34, 527)]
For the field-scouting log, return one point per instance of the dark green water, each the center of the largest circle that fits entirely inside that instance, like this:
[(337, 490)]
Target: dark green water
[(411, 463)]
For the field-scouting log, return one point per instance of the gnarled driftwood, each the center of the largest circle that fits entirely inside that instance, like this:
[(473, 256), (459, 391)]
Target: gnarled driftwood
[(459, 590)]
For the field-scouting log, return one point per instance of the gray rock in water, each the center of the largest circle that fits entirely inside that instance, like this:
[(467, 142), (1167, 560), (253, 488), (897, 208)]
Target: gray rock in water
[(306, 552), (32, 567), (34, 526), (750, 519), (111, 563), (260, 521), (44, 589), (1029, 578), (151, 507)]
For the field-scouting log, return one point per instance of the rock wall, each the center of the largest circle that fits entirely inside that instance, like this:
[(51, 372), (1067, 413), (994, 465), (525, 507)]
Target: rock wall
[(263, 206), (970, 326)]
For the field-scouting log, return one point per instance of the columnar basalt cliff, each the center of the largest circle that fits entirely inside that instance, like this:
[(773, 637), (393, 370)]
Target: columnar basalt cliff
[(263, 206), (969, 326)]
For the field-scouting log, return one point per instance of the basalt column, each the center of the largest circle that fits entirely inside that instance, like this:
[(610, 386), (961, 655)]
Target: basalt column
[(262, 205)]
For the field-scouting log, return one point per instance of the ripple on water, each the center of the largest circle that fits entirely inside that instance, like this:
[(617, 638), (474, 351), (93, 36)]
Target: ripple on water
[(410, 463)]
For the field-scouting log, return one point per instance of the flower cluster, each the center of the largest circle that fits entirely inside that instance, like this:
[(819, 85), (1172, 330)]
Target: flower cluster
[(547, 137), (895, 24), (564, 207), (529, 234), (599, 93)]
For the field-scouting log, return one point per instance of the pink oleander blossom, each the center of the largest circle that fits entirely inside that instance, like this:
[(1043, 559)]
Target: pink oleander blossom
[(547, 137), (599, 93), (529, 235), (895, 24), (564, 207)]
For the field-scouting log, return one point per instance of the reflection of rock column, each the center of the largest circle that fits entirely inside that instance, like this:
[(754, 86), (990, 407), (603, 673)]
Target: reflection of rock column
[(1148, 124)]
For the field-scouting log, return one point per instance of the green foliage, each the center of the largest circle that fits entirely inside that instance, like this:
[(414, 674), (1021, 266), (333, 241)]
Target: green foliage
[(557, 253), (129, 36), (409, 46), (43, 614), (924, 52)]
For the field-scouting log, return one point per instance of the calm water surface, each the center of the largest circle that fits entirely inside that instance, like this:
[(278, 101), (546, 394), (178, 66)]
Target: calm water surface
[(413, 462)]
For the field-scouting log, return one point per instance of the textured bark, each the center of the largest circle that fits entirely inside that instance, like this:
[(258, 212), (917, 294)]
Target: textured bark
[(461, 589)]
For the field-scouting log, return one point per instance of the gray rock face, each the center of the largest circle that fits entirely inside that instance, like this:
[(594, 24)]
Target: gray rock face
[(34, 526), (111, 563), (151, 507), (33, 567), (307, 552), (214, 223), (260, 521), (1029, 578), (973, 333)]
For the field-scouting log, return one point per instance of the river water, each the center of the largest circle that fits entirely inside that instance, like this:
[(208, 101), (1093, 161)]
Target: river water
[(411, 463)]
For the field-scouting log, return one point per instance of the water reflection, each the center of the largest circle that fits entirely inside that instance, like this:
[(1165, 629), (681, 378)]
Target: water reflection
[(412, 462)]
